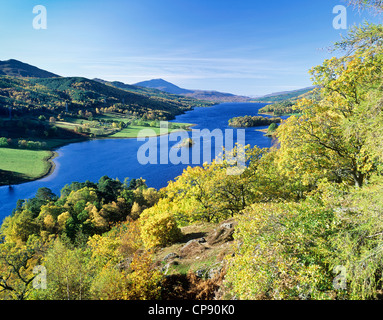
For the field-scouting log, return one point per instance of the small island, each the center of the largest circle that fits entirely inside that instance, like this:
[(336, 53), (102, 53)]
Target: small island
[(185, 143), (252, 121)]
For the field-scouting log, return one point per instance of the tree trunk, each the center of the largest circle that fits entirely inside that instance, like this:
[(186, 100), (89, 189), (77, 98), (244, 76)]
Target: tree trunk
[(358, 178)]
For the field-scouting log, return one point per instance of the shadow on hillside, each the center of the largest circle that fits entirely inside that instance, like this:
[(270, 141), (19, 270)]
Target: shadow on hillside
[(194, 235)]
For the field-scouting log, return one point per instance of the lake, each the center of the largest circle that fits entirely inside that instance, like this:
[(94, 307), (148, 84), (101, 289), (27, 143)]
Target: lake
[(117, 158)]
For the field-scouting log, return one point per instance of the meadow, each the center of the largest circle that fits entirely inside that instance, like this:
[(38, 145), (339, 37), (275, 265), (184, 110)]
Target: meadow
[(25, 165)]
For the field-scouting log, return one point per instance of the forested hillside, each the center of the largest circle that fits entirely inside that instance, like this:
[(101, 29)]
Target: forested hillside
[(285, 105), (53, 94), (15, 68), (283, 96)]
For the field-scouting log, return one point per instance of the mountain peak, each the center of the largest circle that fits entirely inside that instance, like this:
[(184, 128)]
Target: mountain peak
[(162, 85)]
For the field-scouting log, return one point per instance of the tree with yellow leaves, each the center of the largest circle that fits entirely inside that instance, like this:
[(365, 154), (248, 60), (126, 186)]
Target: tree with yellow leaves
[(158, 226), (17, 262), (328, 140)]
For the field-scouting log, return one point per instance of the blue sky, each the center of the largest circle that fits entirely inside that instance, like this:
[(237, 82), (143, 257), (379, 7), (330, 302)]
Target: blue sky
[(246, 47)]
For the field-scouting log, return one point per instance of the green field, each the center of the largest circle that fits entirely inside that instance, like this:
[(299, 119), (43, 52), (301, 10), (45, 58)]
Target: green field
[(132, 131), (23, 165), (109, 131)]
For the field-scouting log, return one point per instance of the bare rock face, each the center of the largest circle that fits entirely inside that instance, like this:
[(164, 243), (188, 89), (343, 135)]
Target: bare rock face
[(224, 233)]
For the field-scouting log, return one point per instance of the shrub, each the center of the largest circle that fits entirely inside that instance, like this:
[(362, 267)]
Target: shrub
[(357, 247), (3, 142), (158, 228), (144, 281), (283, 252), (272, 127)]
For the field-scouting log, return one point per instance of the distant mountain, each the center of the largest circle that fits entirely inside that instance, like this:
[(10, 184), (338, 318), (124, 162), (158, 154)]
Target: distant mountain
[(213, 96), (216, 96), (155, 93), (15, 68), (163, 85), (282, 96)]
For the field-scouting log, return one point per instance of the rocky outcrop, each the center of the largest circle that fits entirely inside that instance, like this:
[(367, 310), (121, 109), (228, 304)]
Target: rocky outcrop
[(170, 256), (193, 247), (224, 233)]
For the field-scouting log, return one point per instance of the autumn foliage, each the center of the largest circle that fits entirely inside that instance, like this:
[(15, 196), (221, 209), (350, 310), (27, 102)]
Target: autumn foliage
[(308, 210)]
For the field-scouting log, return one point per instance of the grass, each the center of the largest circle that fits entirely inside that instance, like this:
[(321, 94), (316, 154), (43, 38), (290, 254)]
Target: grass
[(205, 262), (133, 131), (113, 116), (23, 165)]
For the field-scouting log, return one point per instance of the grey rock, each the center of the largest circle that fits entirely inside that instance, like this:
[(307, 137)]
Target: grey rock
[(201, 240), (201, 273), (166, 267), (170, 256), (227, 225), (224, 233)]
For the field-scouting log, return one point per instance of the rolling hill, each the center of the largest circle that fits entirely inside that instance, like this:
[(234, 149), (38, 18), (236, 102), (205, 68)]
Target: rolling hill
[(15, 68), (51, 94), (283, 103), (282, 96)]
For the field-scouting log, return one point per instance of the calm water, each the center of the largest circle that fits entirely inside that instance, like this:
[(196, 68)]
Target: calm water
[(117, 158)]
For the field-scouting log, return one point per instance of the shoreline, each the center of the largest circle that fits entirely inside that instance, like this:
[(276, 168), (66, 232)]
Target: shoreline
[(51, 165), (281, 115)]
